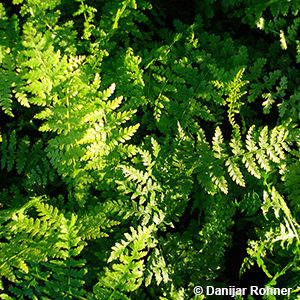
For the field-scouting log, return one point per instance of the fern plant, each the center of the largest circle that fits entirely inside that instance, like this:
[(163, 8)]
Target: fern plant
[(137, 150)]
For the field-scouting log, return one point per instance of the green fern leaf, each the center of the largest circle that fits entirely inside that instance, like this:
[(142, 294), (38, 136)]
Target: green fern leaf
[(235, 172)]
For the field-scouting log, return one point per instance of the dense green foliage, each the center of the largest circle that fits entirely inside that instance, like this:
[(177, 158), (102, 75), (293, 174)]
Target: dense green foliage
[(143, 143)]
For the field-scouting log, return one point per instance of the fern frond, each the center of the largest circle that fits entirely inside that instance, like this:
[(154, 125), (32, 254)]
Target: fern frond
[(249, 162), (236, 143), (124, 134), (235, 172), (155, 147), (134, 174), (218, 143), (157, 268), (7, 80), (94, 222), (127, 274)]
